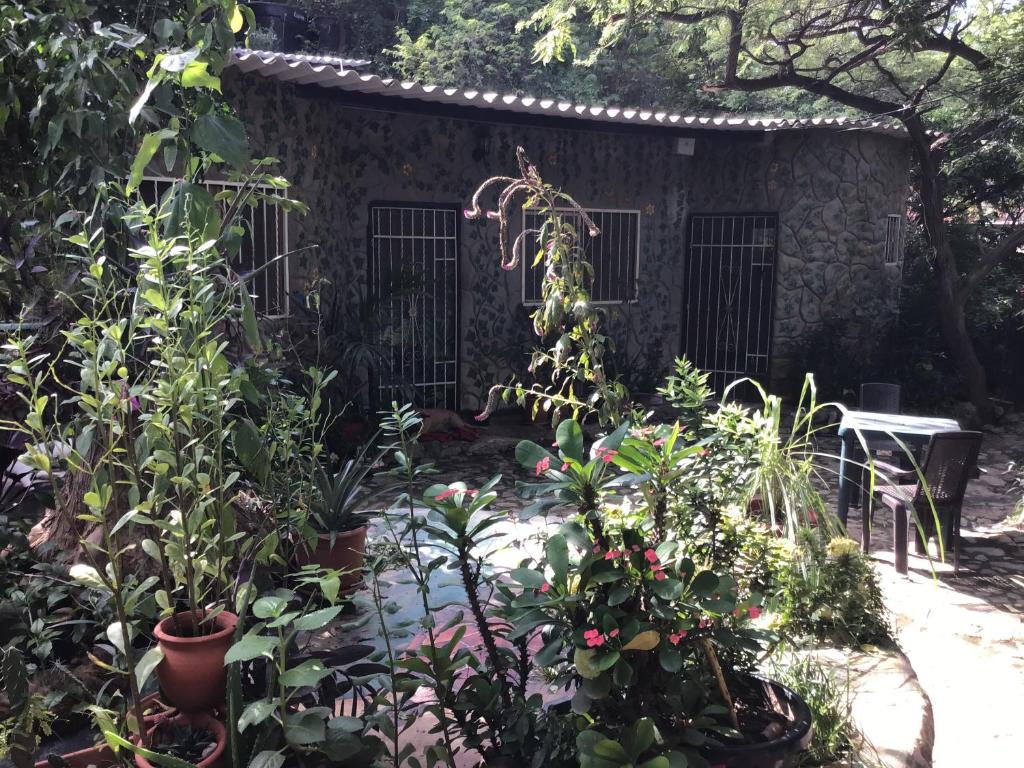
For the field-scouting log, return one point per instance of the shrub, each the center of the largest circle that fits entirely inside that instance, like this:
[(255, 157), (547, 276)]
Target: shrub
[(831, 592)]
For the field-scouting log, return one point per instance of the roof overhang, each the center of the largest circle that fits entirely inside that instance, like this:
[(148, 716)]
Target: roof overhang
[(346, 76)]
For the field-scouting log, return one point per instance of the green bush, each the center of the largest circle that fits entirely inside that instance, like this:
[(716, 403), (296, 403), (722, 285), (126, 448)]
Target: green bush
[(831, 592)]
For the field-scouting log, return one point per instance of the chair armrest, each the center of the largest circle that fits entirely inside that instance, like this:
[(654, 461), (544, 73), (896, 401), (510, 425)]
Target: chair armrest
[(895, 473)]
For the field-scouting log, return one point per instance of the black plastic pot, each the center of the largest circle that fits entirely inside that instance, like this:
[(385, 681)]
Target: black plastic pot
[(780, 752), (290, 24)]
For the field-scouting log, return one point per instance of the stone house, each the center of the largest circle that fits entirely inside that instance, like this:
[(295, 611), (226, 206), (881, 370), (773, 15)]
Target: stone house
[(729, 239)]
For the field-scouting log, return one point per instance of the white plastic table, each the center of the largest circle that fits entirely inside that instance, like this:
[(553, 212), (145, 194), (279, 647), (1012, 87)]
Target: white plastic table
[(913, 431)]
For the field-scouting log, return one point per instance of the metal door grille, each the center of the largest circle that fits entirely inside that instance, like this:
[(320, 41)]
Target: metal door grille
[(614, 253), (264, 237), (729, 286), (415, 283)]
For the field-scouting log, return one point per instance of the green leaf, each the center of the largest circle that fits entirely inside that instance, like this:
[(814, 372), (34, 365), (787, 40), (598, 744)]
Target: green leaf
[(644, 641), (224, 136), (197, 76), (306, 674), (14, 675), (668, 589), (155, 299), (639, 738), (529, 453), (250, 450), (87, 576), (255, 713), (584, 659), (269, 607), (305, 727), (528, 577), (317, 619), (547, 655), (558, 556), (250, 647), (150, 144), (619, 594), (156, 758), (267, 759), (137, 107), (249, 322), (569, 437), (149, 661), (671, 660), (704, 583)]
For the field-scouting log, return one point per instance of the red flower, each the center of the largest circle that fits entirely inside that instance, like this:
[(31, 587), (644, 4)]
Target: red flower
[(544, 588), (609, 456), (543, 466), (614, 633), (597, 549), (675, 637), (703, 623), (659, 576), (754, 611), (611, 554), (659, 442), (590, 634), (702, 452), (472, 492), (565, 467), (445, 494), (738, 612), (595, 642), (651, 555)]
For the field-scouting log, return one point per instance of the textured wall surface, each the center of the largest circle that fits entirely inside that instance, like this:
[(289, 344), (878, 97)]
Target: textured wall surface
[(831, 191)]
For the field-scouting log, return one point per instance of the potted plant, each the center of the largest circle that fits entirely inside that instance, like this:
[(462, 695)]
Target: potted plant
[(197, 738), (335, 532), (657, 646)]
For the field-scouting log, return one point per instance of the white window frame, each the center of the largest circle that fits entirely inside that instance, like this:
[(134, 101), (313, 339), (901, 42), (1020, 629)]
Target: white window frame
[(898, 243), (527, 259), (216, 185)]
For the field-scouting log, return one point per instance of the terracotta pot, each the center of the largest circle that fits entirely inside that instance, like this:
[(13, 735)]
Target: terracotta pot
[(97, 757), (202, 720), (192, 674), (346, 555)]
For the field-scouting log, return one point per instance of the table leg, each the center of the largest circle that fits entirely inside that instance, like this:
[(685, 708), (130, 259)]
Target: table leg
[(846, 473)]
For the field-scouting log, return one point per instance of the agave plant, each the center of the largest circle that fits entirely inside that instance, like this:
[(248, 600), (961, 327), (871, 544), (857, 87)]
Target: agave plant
[(335, 509)]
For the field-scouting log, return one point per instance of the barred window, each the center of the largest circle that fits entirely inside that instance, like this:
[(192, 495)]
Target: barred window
[(893, 238), (265, 238), (615, 254)]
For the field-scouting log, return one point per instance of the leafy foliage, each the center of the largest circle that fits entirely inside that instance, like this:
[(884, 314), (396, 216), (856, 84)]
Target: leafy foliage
[(831, 592)]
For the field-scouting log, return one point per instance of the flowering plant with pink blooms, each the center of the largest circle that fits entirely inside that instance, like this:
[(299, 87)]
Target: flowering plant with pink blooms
[(640, 624)]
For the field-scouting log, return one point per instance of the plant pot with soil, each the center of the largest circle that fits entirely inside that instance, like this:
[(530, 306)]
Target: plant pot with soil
[(335, 535), (775, 724), (197, 738), (192, 674)]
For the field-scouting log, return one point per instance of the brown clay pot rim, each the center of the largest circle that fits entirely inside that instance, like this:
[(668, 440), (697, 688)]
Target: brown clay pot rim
[(164, 636), (98, 749), (200, 719), (343, 534)]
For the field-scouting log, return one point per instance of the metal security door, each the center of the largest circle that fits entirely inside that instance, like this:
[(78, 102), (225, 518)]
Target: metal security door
[(414, 282), (729, 285)]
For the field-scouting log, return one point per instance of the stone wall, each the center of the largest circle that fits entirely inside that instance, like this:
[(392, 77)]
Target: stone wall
[(832, 192)]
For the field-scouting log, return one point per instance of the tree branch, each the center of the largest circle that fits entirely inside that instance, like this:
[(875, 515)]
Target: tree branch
[(993, 257)]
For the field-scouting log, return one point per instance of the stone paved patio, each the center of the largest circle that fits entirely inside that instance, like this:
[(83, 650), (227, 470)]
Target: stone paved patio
[(964, 635)]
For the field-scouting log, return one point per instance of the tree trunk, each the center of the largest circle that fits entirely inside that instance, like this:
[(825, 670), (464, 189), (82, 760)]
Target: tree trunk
[(953, 324), (953, 291)]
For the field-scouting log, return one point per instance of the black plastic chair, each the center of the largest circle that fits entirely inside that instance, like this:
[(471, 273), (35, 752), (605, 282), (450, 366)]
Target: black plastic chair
[(877, 397), (949, 462)]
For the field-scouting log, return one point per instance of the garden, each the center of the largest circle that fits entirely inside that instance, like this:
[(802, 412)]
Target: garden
[(193, 573)]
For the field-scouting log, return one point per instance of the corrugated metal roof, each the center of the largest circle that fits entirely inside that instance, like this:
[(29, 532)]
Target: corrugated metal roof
[(345, 74)]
